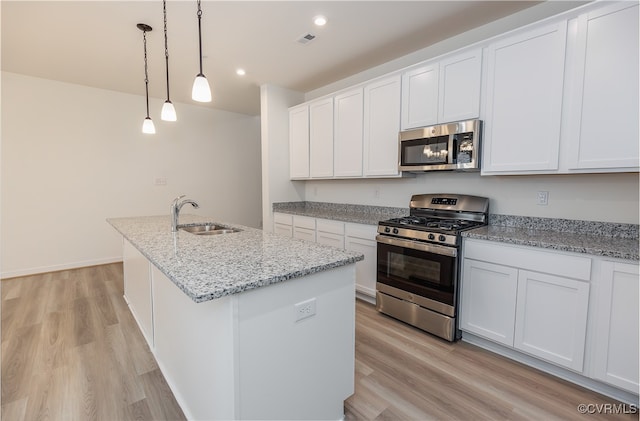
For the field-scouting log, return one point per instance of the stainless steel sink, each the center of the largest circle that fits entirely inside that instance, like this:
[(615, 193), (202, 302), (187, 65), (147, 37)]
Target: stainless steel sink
[(207, 229)]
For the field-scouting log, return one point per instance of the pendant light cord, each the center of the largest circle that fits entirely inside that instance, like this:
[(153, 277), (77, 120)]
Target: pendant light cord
[(146, 74), (200, 35), (166, 46)]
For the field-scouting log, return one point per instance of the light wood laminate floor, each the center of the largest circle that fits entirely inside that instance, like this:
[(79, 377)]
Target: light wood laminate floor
[(72, 351)]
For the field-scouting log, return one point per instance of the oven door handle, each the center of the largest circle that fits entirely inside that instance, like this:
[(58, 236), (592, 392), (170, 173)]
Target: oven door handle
[(416, 245)]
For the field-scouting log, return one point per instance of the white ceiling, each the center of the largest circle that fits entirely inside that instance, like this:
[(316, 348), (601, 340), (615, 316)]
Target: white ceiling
[(96, 43)]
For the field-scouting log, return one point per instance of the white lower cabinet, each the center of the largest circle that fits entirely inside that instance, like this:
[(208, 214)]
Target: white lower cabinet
[(362, 239), (578, 312), (489, 300), (551, 318), (616, 316), (506, 298), (283, 224), (304, 228), (330, 233)]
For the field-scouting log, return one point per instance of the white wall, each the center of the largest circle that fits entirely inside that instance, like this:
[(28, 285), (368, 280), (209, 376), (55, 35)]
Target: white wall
[(276, 186), (591, 197), (73, 156)]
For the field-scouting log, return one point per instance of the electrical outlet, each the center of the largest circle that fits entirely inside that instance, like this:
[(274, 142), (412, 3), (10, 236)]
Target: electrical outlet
[(376, 192), (305, 309), (543, 198), (160, 181)]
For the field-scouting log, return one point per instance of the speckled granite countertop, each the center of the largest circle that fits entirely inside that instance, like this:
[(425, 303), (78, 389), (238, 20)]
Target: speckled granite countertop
[(605, 239), (212, 266), (359, 214)]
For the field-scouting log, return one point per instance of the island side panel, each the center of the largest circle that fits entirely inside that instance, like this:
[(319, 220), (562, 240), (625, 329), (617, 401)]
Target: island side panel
[(194, 347), (302, 369), (137, 289)]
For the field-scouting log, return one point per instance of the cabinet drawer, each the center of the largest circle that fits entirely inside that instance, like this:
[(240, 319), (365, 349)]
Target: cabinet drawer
[(304, 222), (329, 239), (552, 262), (283, 218), (367, 232), (333, 227), (304, 234)]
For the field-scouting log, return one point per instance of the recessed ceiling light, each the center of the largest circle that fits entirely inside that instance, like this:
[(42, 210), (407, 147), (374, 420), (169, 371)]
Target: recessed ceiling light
[(241, 72), (320, 20)]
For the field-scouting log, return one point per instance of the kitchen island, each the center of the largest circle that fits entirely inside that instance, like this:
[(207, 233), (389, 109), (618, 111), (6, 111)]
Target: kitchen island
[(244, 325)]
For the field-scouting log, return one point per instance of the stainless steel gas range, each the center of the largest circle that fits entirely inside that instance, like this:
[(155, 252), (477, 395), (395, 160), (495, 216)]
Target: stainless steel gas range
[(418, 264)]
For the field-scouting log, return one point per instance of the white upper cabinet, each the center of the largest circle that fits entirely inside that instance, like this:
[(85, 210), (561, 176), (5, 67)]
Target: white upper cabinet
[(460, 82), (299, 142), (321, 138), (348, 120), (442, 92), (381, 127), (523, 101), (420, 96), (604, 113)]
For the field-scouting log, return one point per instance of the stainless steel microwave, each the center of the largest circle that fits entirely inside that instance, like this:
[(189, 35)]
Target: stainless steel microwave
[(448, 147)]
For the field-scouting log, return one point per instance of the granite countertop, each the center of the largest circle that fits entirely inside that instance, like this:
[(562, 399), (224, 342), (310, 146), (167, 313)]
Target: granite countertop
[(604, 239), (359, 214), (212, 266)]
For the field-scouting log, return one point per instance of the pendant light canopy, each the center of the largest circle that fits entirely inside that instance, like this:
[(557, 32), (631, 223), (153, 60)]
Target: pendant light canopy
[(168, 111), (147, 124), (201, 91)]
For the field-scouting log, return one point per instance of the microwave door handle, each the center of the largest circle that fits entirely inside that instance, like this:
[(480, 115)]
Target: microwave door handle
[(451, 148)]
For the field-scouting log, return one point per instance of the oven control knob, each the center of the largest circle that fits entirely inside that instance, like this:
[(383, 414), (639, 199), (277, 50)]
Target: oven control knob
[(395, 230), (442, 238), (387, 229), (431, 237)]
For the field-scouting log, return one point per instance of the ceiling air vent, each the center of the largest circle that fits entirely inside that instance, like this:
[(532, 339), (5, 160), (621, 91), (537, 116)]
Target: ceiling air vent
[(306, 38)]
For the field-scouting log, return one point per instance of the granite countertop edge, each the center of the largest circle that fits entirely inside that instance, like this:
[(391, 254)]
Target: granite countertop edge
[(358, 214), (595, 245), (192, 264), (605, 239)]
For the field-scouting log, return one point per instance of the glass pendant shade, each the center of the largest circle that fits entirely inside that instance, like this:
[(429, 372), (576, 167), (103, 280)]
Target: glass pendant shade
[(201, 91), (148, 127), (168, 112)]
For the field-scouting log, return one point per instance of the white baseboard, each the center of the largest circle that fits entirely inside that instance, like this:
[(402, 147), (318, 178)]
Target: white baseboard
[(55, 268)]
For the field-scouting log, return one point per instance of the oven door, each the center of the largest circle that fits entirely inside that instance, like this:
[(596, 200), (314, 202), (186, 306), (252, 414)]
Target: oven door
[(422, 273)]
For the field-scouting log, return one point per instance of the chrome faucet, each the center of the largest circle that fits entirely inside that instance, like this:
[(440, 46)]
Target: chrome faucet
[(176, 205)]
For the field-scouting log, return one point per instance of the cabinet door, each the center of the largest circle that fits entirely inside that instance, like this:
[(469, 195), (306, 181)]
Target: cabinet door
[(361, 238), (137, 289), (348, 120), (551, 318), (604, 121), (304, 228), (523, 101), (381, 127), (282, 229), (420, 97), (616, 349), (330, 239), (299, 142), (460, 83), (488, 300), (321, 138)]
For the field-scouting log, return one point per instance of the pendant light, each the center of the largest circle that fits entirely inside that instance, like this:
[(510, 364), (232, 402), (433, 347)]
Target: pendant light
[(147, 125), (201, 91), (168, 111)]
